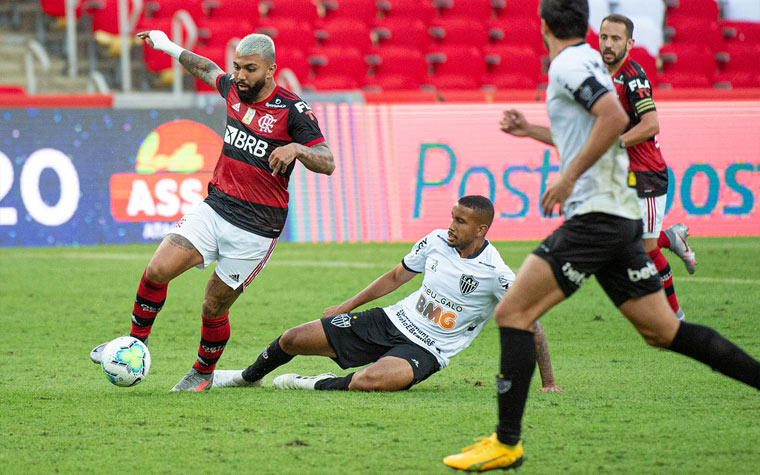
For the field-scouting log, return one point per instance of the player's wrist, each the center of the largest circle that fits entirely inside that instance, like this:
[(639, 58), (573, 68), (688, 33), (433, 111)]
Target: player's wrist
[(162, 42)]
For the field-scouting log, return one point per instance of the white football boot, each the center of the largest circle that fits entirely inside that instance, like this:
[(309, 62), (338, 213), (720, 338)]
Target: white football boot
[(227, 378), (296, 381), (678, 235)]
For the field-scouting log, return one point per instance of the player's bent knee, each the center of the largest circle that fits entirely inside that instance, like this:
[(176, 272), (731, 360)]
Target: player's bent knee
[(289, 341), (657, 341)]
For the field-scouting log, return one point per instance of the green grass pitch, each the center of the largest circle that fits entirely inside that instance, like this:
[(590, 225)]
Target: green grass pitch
[(628, 408)]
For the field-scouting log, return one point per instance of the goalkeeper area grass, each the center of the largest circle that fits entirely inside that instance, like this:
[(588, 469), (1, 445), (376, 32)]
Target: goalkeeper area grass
[(628, 408)]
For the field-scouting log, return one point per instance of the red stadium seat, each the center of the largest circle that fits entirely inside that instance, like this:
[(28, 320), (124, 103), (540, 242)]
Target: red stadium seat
[(421, 9), (343, 31), (337, 68), (739, 56), (523, 8), (287, 33), (475, 10), (57, 8), (685, 79), (693, 58), (401, 31), (459, 30), (218, 31), (694, 30), (592, 38), (296, 61), (518, 30), (746, 31), (167, 8), (451, 62), (243, 9), (398, 68), (707, 9), (362, 10), (512, 67), (293, 10)]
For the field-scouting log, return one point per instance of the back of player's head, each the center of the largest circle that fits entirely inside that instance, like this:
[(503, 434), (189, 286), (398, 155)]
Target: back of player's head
[(256, 43), (618, 18), (481, 205), (565, 18)]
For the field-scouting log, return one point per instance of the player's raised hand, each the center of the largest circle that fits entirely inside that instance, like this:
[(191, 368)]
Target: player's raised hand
[(145, 36), (556, 194), (514, 123), (281, 158), (335, 310)]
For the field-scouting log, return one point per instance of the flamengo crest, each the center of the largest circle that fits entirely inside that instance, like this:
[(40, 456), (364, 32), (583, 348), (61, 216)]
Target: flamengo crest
[(467, 284)]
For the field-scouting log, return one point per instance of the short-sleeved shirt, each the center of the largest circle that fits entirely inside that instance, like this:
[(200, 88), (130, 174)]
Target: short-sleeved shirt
[(242, 189), (646, 160), (457, 297), (577, 79)]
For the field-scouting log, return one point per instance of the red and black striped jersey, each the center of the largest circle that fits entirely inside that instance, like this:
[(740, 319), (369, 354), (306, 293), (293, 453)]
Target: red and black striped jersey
[(242, 189), (646, 160)]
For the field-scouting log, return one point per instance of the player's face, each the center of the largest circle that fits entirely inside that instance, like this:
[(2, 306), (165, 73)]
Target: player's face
[(251, 73), (613, 42), (464, 227)]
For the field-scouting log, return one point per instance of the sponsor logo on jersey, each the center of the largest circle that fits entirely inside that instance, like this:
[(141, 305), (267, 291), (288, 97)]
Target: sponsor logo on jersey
[(236, 107), (637, 83), (248, 117), (277, 104), (649, 270), (437, 309), (243, 141), (341, 321), (574, 276), (266, 123), (420, 246), (304, 108), (468, 284)]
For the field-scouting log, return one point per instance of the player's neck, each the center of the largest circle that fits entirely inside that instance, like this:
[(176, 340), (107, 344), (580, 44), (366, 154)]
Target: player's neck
[(614, 68), (556, 45), (474, 248), (266, 91)]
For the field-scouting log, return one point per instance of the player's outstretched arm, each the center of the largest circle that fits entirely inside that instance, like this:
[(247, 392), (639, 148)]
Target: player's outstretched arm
[(200, 67), (383, 285), (514, 123), (544, 362), (317, 158)]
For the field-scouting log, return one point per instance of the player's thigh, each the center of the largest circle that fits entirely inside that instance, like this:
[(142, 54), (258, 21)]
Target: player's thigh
[(174, 255), (652, 317), (389, 373), (534, 291), (652, 213), (357, 338), (307, 339), (195, 237)]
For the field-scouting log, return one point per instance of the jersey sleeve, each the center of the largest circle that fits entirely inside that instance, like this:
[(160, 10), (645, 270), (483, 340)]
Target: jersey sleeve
[(583, 82), (223, 84), (638, 91), (415, 260), (303, 126), (503, 281)]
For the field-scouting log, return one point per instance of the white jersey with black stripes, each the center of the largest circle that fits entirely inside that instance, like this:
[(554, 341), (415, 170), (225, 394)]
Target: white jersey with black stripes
[(577, 79), (457, 296)]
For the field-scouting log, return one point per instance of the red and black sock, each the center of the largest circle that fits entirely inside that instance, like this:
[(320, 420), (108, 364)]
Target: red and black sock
[(518, 362), (663, 242), (667, 277), (214, 335), (148, 302)]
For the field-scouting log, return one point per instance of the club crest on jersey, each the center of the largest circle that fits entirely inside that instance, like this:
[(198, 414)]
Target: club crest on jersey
[(266, 123), (341, 321), (467, 284), (248, 117)]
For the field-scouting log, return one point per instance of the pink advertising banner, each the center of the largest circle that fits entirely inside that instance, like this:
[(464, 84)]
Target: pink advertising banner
[(400, 168)]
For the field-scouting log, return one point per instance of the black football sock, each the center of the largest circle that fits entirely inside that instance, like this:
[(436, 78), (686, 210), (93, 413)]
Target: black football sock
[(272, 357), (708, 346), (334, 384), (518, 362)]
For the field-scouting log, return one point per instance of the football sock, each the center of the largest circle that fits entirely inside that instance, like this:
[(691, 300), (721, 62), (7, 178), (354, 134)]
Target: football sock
[(708, 346), (214, 335), (518, 361), (334, 384), (661, 263), (663, 241), (272, 357), (148, 302)]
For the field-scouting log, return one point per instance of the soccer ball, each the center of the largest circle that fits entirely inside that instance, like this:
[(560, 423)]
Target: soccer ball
[(126, 361)]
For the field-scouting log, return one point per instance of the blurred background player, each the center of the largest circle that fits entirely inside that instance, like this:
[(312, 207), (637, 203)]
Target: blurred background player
[(601, 236), (268, 129), (647, 166), (405, 343)]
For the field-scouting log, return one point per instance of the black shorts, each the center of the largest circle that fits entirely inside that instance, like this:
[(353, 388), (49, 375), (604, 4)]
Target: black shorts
[(603, 245), (365, 337)]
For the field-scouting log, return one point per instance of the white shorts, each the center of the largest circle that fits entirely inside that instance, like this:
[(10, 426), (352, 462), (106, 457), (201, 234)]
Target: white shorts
[(240, 254), (652, 212)]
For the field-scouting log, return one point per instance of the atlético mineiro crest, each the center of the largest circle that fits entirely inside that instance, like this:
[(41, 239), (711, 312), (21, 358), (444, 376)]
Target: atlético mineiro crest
[(467, 284), (341, 321)]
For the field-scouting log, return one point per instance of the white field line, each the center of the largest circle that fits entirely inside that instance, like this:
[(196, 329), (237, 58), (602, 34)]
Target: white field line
[(333, 264)]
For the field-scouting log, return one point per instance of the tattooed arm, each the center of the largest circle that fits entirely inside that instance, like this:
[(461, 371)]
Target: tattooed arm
[(200, 67), (544, 362), (318, 158)]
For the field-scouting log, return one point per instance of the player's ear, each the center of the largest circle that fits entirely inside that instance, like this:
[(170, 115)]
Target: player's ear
[(270, 71)]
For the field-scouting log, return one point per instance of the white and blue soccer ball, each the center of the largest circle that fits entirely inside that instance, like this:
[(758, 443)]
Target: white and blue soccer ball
[(126, 361)]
